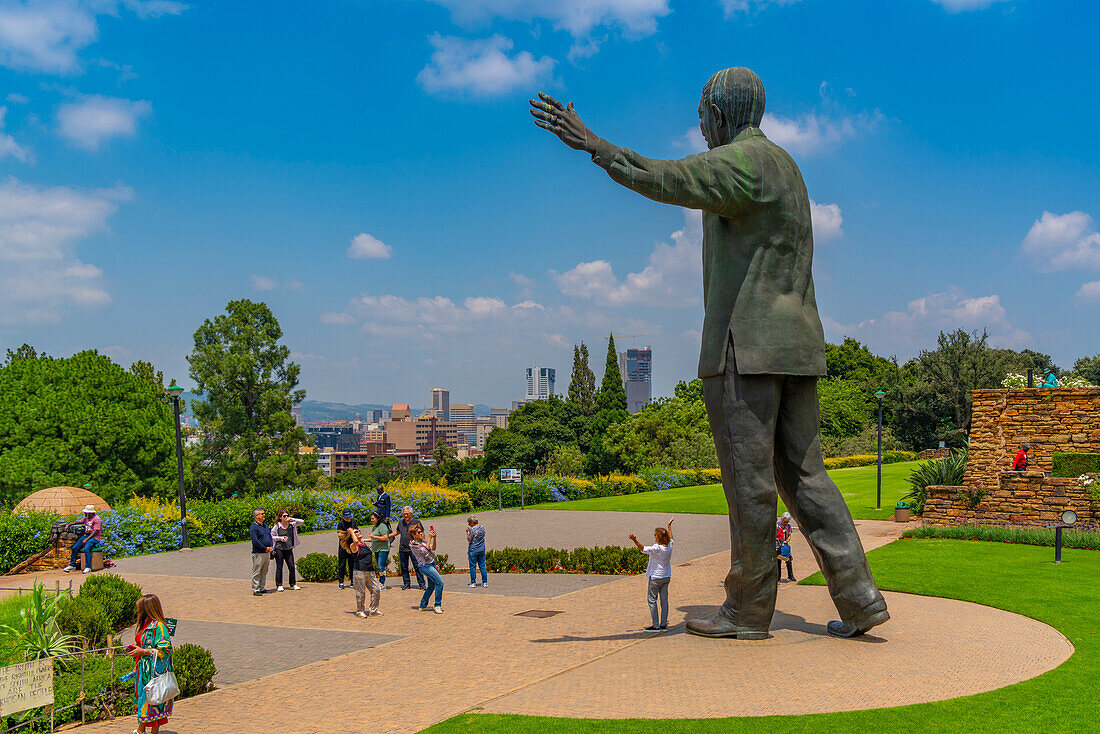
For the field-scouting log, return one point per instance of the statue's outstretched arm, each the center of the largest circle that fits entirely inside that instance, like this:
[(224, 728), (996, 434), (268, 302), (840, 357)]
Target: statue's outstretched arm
[(715, 181)]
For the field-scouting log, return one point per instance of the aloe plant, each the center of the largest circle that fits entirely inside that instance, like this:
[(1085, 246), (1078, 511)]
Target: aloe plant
[(946, 472), (37, 634)]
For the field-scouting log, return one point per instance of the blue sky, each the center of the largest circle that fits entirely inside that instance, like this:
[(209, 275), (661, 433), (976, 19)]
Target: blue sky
[(369, 170)]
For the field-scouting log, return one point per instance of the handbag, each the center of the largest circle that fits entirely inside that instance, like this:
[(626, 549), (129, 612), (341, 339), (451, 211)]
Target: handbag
[(162, 689)]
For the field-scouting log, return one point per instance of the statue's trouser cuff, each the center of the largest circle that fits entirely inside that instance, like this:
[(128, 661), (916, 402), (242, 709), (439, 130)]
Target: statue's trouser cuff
[(767, 434)]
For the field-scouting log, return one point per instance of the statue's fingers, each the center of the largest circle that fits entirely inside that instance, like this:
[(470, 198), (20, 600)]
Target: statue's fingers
[(551, 100), (541, 114), (544, 125)]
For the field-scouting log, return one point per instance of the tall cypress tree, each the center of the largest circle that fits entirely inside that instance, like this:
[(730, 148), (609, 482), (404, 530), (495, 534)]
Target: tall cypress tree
[(582, 386), (612, 392)]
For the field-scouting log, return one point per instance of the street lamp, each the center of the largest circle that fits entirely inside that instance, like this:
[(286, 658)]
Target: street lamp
[(175, 391), (1069, 518), (878, 492)]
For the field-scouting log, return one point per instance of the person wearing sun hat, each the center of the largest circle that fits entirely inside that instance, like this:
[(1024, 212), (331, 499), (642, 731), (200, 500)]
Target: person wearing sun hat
[(91, 540), (344, 560)]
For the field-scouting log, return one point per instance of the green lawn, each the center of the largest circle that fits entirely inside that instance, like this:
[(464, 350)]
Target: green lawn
[(857, 485), (1017, 578)]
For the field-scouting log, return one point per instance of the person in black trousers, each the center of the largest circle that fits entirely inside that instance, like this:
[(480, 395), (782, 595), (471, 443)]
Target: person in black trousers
[(344, 559), (383, 505), (404, 552)]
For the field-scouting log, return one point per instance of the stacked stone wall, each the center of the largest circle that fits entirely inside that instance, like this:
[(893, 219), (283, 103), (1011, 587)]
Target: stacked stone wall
[(1052, 421), (1019, 498)]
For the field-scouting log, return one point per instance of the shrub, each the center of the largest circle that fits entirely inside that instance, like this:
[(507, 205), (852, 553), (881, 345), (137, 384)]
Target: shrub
[(194, 669), (98, 684), (225, 521), (945, 472), (1074, 465), (316, 567), (619, 484), (22, 536), (117, 596), (130, 530), (599, 560), (888, 457), (659, 479), (84, 617)]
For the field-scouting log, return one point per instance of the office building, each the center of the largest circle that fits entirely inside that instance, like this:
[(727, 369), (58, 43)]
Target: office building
[(296, 414), (483, 431), (441, 403), (400, 412), (462, 415), (499, 417), (635, 365), (540, 383), (336, 436), (421, 434)]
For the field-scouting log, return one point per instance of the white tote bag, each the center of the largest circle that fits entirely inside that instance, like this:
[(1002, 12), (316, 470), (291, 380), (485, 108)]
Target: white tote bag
[(162, 689)]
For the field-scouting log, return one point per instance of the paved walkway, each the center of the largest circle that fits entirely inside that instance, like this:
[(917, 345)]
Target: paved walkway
[(480, 653)]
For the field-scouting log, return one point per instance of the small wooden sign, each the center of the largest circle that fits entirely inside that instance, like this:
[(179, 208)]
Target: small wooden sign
[(26, 686)]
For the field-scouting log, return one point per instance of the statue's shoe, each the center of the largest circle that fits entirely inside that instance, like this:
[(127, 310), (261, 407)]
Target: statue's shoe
[(868, 617), (720, 625)]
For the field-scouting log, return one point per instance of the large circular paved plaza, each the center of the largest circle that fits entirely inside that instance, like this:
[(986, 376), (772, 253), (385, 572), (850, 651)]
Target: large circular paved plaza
[(305, 652)]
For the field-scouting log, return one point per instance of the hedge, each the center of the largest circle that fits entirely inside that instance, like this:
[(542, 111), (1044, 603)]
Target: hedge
[(316, 568), (117, 595), (194, 669), (599, 560), (1074, 465), (888, 457)]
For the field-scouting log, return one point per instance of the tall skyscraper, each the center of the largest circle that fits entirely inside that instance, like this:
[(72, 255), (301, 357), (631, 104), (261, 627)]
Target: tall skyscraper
[(462, 415), (636, 368), (441, 403), (540, 383)]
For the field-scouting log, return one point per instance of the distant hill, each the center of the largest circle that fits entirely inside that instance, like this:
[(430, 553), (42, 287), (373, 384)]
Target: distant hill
[(316, 410)]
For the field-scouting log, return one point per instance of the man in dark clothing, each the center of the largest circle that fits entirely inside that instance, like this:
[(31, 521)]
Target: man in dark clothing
[(343, 558), (262, 546), (382, 505), (404, 552)]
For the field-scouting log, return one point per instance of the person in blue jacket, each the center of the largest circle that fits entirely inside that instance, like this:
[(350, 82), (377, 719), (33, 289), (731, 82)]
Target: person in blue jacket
[(262, 545)]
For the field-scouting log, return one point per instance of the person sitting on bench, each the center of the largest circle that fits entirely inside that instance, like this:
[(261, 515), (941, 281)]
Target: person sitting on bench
[(90, 541)]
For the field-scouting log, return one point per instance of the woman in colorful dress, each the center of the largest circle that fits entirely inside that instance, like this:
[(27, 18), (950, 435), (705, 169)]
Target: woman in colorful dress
[(153, 655)]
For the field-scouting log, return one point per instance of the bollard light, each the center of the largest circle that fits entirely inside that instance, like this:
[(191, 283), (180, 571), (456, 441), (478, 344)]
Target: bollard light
[(1069, 517)]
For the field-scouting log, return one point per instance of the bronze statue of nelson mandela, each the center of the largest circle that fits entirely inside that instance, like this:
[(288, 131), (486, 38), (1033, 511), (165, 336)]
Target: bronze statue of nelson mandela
[(762, 348)]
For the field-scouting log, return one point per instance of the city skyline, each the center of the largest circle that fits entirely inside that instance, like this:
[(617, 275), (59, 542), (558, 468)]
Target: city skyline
[(382, 188)]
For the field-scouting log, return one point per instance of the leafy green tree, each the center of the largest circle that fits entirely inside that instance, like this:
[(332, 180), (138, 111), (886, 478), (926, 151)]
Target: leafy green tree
[(506, 449), (443, 454), (671, 432), (582, 386), (82, 419), (934, 396), (844, 408), (566, 461), (1088, 368), (612, 395), (250, 443)]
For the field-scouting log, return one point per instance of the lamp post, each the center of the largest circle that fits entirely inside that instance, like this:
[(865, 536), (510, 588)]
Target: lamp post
[(1069, 518), (175, 391), (878, 490)]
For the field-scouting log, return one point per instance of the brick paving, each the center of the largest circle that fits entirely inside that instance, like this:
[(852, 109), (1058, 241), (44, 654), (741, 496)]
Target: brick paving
[(592, 659)]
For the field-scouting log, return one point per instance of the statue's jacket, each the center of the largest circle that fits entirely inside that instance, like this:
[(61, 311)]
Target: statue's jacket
[(758, 287)]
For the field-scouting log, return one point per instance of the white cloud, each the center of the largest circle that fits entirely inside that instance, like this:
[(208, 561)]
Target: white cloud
[(48, 35), (521, 280), (264, 283), (811, 133), (906, 332), (91, 120), (16, 98), (671, 277), (959, 6), (732, 7), (827, 221), (481, 67), (342, 319), (1063, 242), (1090, 292), (367, 247), (578, 17), (8, 146), (40, 274)]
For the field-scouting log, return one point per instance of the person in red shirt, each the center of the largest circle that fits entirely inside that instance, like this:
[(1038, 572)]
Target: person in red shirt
[(1020, 462)]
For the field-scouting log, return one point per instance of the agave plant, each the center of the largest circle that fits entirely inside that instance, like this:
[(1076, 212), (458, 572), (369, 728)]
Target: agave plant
[(37, 635), (945, 472)]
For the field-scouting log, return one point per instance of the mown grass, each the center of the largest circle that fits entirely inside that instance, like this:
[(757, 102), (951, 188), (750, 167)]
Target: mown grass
[(856, 484), (1018, 578)]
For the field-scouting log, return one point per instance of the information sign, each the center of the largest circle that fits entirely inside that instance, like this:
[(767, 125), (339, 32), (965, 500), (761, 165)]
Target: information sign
[(511, 475), (26, 686)]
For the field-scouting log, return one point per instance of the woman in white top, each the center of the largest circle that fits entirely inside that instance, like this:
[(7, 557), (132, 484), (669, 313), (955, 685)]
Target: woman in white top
[(659, 573)]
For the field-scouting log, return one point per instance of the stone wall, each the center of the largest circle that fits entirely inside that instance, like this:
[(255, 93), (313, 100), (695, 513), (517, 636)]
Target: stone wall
[(1019, 498), (934, 453), (1059, 420)]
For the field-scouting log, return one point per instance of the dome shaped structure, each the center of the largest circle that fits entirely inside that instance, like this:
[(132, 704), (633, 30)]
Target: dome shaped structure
[(63, 501)]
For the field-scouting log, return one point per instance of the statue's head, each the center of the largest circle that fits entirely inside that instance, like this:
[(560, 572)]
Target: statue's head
[(732, 100)]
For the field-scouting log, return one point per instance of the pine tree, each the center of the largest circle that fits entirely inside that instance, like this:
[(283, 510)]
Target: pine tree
[(612, 394), (582, 386)]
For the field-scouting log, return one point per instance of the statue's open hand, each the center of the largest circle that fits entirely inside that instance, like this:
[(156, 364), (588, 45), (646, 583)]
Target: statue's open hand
[(552, 115)]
